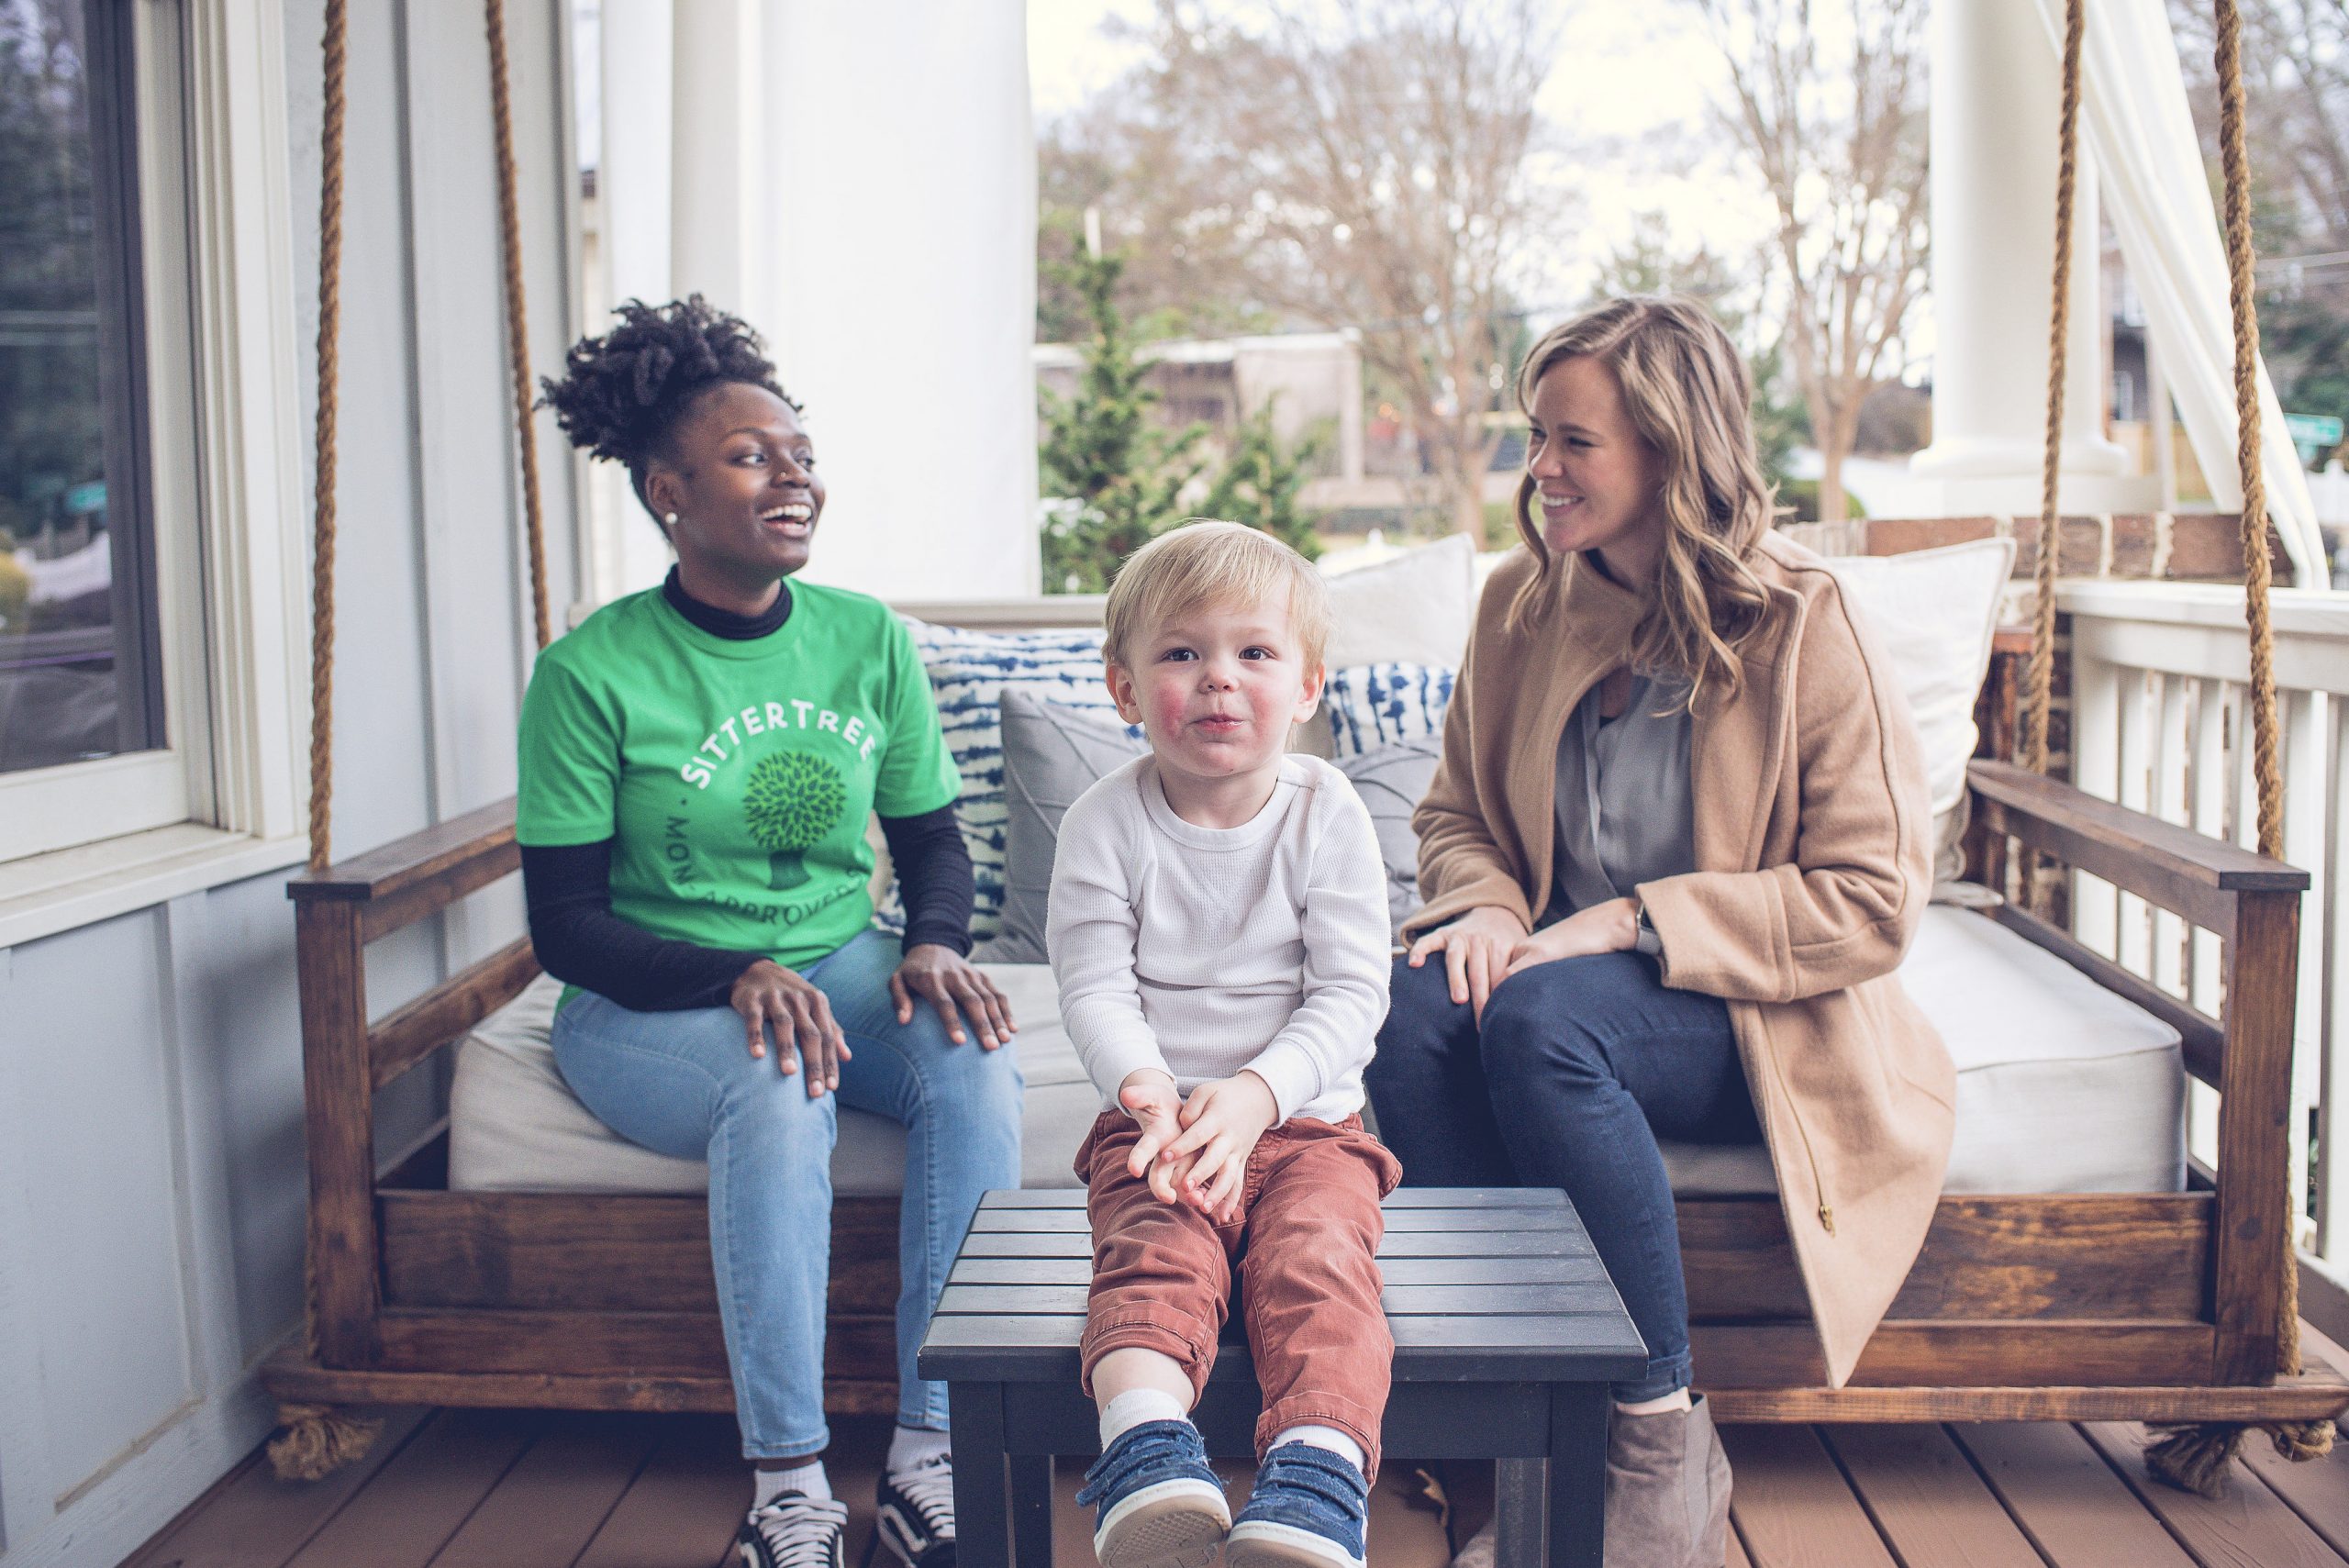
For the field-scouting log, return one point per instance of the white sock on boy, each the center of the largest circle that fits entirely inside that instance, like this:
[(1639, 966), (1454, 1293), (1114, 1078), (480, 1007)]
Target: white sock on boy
[(1134, 1406), (1327, 1438)]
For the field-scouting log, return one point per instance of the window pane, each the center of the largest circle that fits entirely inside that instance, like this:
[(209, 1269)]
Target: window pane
[(76, 608)]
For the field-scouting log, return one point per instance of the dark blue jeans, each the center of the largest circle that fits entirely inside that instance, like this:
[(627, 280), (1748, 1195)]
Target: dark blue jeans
[(1577, 1067)]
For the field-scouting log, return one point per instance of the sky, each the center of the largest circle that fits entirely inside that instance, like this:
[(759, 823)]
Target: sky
[(1630, 91)]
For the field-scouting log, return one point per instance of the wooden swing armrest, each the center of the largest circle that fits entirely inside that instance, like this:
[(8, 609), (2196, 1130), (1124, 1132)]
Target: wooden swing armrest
[(421, 874), (2253, 905), (2184, 872)]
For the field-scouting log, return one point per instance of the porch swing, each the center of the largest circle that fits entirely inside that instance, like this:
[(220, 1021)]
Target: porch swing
[(2175, 1307)]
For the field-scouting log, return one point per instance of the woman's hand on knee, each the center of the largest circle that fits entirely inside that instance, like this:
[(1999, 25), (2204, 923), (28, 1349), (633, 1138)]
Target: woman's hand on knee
[(770, 996), (1475, 949), (1612, 926), (954, 986)]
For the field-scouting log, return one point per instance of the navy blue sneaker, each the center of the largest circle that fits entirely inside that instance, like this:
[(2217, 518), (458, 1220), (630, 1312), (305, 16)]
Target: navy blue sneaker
[(1161, 1506), (1310, 1509)]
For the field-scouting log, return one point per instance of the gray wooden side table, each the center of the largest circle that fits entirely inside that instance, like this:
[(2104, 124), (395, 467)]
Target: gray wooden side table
[(1507, 1332)]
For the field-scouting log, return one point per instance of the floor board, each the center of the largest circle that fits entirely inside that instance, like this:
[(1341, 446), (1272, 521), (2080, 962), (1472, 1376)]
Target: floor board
[(2316, 1489), (2059, 1489), (1927, 1502), (684, 1506), (488, 1490), (1793, 1506), (425, 1493), (2248, 1528), (254, 1520), (549, 1506)]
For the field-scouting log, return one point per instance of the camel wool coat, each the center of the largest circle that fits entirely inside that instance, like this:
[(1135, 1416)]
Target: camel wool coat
[(1814, 856)]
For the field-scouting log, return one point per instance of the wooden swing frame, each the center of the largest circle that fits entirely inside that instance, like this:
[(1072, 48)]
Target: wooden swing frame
[(2161, 1307)]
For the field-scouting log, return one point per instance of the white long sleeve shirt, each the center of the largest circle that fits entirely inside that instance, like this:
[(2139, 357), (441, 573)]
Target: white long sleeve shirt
[(1203, 951)]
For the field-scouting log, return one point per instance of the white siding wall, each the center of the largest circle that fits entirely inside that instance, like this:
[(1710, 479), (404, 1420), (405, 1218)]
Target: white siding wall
[(151, 1181)]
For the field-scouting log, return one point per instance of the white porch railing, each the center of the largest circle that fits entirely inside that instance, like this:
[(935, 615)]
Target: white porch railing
[(2160, 723)]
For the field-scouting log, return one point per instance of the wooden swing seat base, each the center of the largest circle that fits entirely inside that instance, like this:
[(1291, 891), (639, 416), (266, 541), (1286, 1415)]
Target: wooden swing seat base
[(2157, 1307)]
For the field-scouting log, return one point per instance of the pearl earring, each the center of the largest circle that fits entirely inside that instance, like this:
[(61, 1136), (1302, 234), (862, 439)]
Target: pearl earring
[(669, 518)]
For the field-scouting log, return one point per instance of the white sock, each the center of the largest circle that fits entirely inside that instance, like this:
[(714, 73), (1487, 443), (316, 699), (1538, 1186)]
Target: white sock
[(1320, 1437), (910, 1446), (769, 1485), (1676, 1400), (1134, 1406)]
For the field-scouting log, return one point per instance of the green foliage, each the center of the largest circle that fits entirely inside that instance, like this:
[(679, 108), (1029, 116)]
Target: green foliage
[(1260, 483), (1115, 473), (52, 428), (1799, 501), (794, 798), (1117, 476)]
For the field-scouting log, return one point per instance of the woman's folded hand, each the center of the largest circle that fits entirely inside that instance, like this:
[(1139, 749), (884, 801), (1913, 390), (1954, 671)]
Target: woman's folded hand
[(1612, 926)]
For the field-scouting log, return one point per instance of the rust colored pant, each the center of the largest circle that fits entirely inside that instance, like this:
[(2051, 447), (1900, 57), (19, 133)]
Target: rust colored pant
[(1305, 1246)]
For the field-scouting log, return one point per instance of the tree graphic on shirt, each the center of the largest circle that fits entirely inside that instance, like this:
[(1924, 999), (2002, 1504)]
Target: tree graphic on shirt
[(793, 800)]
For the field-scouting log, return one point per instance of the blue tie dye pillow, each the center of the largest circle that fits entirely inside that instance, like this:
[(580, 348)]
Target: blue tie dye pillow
[(968, 671), (1372, 705)]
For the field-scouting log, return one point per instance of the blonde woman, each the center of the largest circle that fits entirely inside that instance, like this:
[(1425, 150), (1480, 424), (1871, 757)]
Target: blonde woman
[(1679, 841)]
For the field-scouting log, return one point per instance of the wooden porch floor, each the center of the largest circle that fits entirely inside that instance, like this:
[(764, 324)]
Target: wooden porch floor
[(513, 1489)]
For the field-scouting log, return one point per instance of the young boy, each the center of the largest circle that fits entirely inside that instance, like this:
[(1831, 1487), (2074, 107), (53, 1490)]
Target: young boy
[(1218, 929)]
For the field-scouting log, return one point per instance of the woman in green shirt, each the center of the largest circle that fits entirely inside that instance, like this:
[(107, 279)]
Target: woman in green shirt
[(698, 763)]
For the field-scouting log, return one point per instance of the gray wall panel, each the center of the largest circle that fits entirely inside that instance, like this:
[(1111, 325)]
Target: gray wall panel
[(110, 1292), (151, 1176)]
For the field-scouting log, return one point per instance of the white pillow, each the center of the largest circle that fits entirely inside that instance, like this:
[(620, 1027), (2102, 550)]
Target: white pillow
[(1933, 612), (1414, 609)]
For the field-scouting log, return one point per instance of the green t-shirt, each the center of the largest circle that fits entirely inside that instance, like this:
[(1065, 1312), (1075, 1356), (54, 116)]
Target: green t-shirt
[(734, 777)]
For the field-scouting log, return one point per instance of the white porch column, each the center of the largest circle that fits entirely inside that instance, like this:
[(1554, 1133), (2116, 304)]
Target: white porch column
[(632, 192), (720, 162), (904, 270), (1995, 106)]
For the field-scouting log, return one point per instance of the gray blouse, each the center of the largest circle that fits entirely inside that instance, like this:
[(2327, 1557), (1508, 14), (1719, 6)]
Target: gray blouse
[(1625, 812)]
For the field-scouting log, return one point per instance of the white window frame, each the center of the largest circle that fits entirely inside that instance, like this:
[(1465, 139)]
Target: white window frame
[(225, 798)]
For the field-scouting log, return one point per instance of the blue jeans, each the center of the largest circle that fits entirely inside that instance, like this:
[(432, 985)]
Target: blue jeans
[(1578, 1065), (685, 1083)]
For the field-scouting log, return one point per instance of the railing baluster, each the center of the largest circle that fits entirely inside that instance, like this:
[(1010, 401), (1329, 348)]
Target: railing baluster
[(2172, 761), (2203, 972), (2305, 763), (2095, 768), (2132, 944), (2327, 914)]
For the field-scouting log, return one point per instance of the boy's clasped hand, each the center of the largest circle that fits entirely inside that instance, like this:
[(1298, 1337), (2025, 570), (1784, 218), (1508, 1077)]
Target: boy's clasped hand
[(1196, 1151)]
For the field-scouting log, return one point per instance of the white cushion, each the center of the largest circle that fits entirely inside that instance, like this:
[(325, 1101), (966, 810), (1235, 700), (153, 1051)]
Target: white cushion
[(515, 1126), (1933, 611), (1413, 609), (2062, 1086)]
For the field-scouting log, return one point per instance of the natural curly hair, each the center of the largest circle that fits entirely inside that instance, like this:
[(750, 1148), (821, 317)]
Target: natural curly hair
[(622, 394)]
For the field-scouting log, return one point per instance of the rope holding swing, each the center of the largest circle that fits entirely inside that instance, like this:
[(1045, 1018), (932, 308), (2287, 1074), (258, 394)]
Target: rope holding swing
[(2039, 679), (312, 1440), (334, 52), (518, 317), (2199, 1458), (316, 1439)]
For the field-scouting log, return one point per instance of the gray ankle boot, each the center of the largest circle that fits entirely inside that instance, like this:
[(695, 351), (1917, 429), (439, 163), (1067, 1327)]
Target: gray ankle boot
[(1667, 1491)]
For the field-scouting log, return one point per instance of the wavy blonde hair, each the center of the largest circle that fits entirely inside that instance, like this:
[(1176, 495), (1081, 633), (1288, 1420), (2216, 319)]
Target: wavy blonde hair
[(1687, 392)]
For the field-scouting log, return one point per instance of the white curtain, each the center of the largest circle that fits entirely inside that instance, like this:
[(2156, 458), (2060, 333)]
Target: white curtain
[(2134, 115)]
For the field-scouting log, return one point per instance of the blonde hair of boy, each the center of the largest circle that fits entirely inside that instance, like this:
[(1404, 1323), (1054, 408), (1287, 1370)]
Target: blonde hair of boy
[(1208, 564), (1686, 389)]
